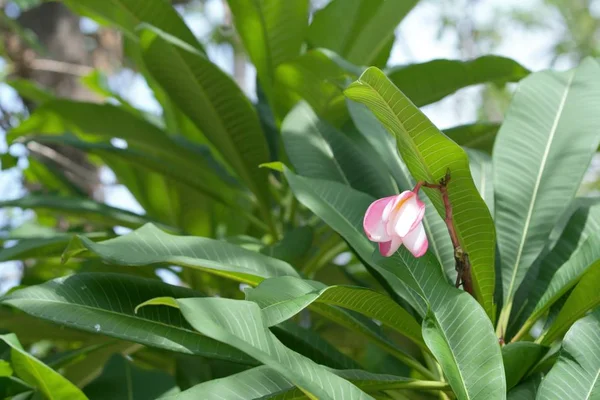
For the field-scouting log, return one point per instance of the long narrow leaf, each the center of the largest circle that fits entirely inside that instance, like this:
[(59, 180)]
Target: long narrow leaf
[(431, 81), (358, 30), (272, 31), (128, 14), (149, 245), (37, 374), (282, 298), (240, 324), (577, 371), (214, 103), (540, 156), (105, 303)]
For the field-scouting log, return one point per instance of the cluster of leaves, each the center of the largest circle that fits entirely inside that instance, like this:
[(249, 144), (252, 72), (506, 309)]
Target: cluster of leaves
[(256, 209)]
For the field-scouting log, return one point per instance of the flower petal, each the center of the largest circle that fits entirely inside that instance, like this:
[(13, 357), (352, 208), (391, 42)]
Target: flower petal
[(406, 215), (388, 248), (373, 222), (416, 241)]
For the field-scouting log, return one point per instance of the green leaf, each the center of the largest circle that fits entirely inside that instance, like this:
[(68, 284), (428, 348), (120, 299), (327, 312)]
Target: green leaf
[(467, 350), (214, 103), (149, 245), (576, 373), (526, 390), (479, 136), (480, 164), (41, 247), (358, 30), (293, 247), (310, 344), (575, 251), (539, 163), (519, 358), (431, 81), (5, 368), (82, 365), (213, 317), (8, 161), (584, 297), (12, 388), (318, 150), (82, 208), (92, 121), (315, 78), (128, 14), (30, 90), (428, 155), (272, 31), (39, 375), (121, 379), (51, 177), (104, 304), (282, 298), (264, 382), (207, 178)]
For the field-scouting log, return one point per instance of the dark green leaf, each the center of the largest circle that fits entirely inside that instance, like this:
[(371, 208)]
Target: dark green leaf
[(519, 358), (80, 207), (577, 371), (480, 136), (105, 303), (318, 150), (214, 103), (358, 30), (122, 380), (584, 297), (526, 390), (431, 81)]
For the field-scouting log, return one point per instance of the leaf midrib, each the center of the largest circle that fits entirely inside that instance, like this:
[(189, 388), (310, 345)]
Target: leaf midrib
[(269, 58), (536, 186), (454, 359)]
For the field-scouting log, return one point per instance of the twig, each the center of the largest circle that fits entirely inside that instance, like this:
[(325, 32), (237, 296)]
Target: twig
[(461, 258), (60, 67)]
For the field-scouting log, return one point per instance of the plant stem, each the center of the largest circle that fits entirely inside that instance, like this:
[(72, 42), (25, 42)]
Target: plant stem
[(463, 265)]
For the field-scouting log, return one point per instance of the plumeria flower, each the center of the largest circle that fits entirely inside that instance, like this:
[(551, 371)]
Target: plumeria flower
[(397, 220)]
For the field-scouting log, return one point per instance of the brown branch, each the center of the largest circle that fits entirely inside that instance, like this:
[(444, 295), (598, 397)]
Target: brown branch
[(461, 258)]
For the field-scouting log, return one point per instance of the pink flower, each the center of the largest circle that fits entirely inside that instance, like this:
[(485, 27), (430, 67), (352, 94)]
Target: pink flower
[(396, 220)]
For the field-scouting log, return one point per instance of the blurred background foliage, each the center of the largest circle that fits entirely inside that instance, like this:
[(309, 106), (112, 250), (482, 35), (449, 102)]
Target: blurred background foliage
[(47, 50)]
